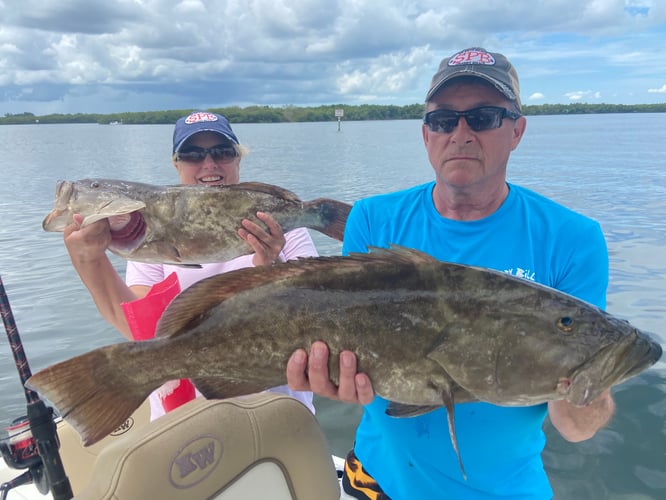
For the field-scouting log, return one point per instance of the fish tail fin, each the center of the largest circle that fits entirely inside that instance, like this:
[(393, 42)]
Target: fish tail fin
[(89, 393), (328, 216)]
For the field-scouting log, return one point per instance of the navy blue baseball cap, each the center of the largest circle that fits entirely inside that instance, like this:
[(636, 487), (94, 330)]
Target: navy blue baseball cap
[(201, 121)]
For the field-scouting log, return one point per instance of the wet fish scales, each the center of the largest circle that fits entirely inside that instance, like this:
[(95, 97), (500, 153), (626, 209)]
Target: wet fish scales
[(428, 333), (188, 224)]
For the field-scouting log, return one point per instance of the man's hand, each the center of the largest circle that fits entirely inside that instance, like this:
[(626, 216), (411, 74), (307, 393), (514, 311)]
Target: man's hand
[(578, 423), (311, 374)]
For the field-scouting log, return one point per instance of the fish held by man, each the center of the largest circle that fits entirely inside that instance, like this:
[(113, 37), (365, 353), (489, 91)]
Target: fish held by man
[(428, 333), (183, 224)]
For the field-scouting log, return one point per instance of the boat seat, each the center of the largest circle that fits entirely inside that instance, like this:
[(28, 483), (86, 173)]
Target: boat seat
[(265, 445), (79, 461)]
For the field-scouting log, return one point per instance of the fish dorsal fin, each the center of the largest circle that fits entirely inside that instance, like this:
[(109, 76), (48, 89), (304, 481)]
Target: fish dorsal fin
[(207, 293), (261, 187)]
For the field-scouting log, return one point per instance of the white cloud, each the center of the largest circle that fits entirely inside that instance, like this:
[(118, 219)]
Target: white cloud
[(579, 95), (388, 75), (297, 52), (188, 6), (661, 90)]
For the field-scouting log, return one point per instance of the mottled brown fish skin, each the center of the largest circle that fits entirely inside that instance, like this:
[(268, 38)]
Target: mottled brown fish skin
[(428, 333), (189, 224)]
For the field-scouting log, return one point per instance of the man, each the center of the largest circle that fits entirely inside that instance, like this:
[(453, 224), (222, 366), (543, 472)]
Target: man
[(470, 215)]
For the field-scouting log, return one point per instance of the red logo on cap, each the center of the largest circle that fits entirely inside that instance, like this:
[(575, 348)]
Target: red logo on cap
[(200, 117), (472, 57)]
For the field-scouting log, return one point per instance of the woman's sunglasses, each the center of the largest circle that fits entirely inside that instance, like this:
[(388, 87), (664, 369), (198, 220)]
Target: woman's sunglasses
[(195, 154)]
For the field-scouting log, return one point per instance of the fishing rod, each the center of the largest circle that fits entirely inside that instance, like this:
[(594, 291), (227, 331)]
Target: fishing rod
[(20, 453)]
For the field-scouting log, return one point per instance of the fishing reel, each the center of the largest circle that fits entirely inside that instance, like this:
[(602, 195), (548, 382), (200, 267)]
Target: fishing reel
[(33, 440), (20, 451)]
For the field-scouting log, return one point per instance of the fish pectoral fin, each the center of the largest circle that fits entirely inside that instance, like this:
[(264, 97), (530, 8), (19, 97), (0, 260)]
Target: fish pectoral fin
[(223, 388), (400, 410), (448, 400), (169, 251), (116, 207)]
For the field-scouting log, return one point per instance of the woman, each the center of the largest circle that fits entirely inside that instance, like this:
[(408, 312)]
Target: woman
[(206, 151)]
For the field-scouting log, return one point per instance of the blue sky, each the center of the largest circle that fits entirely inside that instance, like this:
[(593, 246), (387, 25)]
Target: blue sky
[(85, 56)]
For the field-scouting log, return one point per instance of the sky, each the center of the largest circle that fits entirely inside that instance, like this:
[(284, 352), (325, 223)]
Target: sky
[(94, 56)]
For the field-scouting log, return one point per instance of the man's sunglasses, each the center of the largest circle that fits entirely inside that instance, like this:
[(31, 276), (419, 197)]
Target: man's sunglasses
[(478, 119), (195, 154)]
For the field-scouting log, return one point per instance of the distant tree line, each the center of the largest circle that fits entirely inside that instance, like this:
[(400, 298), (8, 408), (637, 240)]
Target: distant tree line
[(269, 114), (586, 109)]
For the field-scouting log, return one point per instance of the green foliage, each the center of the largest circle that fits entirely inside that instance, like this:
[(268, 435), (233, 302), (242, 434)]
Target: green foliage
[(268, 114), (580, 108)]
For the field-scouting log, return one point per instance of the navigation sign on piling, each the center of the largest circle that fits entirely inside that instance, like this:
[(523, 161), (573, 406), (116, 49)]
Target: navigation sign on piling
[(339, 113)]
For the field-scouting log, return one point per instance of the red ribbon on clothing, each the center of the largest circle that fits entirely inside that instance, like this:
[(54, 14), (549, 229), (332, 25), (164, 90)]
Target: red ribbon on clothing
[(142, 316)]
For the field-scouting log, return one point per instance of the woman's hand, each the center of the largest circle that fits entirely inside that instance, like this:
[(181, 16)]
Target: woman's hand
[(267, 244), (89, 243)]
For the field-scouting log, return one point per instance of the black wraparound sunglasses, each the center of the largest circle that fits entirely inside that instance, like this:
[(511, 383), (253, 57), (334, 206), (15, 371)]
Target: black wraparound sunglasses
[(195, 154), (478, 119)]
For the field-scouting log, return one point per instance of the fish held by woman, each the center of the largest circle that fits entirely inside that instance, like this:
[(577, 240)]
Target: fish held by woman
[(428, 333), (183, 224)]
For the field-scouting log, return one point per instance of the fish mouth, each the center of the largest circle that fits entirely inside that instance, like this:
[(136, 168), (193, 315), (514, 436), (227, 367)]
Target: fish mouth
[(612, 365), (55, 220), (652, 353), (131, 235), (58, 218)]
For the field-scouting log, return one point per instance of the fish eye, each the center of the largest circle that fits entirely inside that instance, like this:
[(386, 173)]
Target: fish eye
[(94, 184), (565, 323)]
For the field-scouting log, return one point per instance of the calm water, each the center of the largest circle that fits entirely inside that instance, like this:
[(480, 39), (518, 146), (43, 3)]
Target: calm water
[(610, 167)]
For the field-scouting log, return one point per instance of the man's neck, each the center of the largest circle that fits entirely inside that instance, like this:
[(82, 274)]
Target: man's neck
[(468, 203)]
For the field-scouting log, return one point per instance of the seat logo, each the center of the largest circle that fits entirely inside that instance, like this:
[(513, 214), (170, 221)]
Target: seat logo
[(195, 461), (124, 427)]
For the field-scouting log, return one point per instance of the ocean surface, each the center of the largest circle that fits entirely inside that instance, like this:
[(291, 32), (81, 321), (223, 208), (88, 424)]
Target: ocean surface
[(609, 167)]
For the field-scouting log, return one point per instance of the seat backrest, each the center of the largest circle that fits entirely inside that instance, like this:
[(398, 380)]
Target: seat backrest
[(79, 461), (260, 446)]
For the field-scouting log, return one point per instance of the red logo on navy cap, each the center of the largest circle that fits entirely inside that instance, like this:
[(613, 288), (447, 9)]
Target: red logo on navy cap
[(200, 117)]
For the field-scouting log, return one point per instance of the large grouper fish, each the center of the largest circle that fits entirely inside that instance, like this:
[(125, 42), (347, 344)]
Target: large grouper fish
[(428, 333), (187, 224)]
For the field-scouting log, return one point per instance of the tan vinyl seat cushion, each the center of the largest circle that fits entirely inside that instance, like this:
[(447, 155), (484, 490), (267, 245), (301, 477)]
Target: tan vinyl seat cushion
[(260, 446), (79, 461)]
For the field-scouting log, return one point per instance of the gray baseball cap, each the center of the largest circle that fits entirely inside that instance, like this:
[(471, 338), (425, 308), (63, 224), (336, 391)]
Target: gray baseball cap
[(491, 66)]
